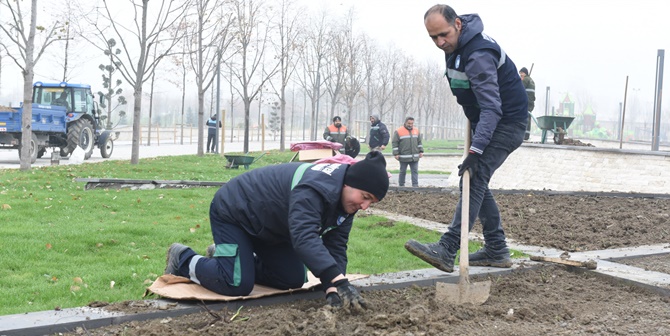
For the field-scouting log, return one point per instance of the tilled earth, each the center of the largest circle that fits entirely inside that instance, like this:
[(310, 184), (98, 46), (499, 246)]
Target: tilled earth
[(545, 300)]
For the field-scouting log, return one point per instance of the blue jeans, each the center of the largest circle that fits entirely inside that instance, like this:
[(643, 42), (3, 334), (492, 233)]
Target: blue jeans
[(414, 168), (506, 138)]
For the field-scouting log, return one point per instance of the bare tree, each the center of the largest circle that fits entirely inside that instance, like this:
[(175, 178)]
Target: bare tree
[(211, 37), (405, 87), (385, 80), (425, 95), (66, 50), (313, 60), (355, 75), (252, 36), (179, 61), (335, 66), (370, 60), (22, 51), (288, 29), (162, 32)]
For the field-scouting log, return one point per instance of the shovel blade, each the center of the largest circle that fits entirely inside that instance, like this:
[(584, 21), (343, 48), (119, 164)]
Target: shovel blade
[(462, 293)]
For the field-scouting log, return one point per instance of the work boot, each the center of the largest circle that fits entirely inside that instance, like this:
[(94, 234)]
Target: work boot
[(172, 258), (435, 254), (484, 257), (210, 251)]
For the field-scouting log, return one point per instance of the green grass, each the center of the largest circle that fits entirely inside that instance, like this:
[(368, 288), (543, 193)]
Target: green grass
[(433, 147), (429, 146), (442, 146), (63, 246)]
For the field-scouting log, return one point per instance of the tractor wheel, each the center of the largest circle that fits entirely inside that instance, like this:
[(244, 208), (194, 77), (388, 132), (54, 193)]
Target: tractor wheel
[(80, 134), (107, 147), (33, 149)]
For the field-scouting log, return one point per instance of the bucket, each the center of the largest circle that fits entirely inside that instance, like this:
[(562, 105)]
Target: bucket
[(55, 158)]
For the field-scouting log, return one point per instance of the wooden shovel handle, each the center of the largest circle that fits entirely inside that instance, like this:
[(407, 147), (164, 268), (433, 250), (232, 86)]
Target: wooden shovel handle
[(464, 262)]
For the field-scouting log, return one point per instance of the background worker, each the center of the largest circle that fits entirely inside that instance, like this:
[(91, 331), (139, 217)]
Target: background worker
[(529, 85), (485, 82), (407, 149), (270, 223), (211, 134), (336, 132), (379, 136)]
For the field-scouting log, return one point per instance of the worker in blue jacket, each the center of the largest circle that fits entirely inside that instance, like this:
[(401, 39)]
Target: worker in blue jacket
[(272, 222), (485, 82)]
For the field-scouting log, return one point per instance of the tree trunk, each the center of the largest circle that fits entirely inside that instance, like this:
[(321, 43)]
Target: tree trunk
[(28, 75), (247, 110), (137, 126), (282, 132), (201, 120)]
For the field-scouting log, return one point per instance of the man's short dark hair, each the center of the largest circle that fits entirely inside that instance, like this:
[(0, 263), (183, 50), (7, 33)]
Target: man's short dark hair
[(337, 118), (409, 118), (446, 11)]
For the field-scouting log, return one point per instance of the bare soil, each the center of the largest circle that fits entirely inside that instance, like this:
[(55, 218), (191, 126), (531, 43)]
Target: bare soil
[(569, 223), (544, 300)]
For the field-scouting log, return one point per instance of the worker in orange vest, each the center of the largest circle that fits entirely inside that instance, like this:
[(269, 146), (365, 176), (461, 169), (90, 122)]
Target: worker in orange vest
[(407, 149), (336, 132)]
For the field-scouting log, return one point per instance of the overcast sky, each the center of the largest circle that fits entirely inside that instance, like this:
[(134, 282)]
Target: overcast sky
[(585, 47)]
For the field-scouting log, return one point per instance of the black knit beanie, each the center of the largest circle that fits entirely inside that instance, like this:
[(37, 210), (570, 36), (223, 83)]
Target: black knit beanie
[(524, 70), (369, 175)]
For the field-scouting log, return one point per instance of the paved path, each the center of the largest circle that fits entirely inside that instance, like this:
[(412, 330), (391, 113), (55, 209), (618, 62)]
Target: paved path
[(9, 158)]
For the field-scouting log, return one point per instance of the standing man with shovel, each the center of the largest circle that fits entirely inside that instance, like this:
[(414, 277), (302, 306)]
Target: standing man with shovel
[(485, 82)]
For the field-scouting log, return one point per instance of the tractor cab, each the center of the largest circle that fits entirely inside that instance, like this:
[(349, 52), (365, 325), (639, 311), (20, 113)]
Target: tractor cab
[(76, 98)]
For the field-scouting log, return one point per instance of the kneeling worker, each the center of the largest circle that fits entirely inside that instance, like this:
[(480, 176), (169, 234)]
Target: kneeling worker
[(272, 222)]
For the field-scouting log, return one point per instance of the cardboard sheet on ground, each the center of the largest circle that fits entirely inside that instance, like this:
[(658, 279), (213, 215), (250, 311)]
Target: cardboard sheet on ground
[(180, 288)]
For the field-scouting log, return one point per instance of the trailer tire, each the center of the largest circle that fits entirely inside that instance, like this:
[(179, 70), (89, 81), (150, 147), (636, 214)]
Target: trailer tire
[(33, 149), (106, 144), (80, 133)]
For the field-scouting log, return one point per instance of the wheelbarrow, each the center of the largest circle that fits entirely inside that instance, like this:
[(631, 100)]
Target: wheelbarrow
[(558, 125), (235, 161)]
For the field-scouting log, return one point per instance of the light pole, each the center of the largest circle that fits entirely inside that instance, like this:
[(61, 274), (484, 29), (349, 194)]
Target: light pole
[(546, 102), (218, 99), (657, 100)]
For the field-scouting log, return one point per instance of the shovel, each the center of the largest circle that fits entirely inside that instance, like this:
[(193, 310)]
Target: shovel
[(464, 291)]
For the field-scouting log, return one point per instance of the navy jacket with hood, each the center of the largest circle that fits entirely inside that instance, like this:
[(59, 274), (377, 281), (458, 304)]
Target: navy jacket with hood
[(485, 82), (308, 216), (379, 133)]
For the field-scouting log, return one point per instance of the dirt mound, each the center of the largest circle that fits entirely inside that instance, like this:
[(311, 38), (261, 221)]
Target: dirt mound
[(6, 109), (575, 142)]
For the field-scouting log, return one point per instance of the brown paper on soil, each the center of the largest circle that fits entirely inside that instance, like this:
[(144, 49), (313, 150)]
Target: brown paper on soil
[(181, 288)]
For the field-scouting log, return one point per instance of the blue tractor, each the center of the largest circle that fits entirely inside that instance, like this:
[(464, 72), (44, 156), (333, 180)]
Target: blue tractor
[(64, 116)]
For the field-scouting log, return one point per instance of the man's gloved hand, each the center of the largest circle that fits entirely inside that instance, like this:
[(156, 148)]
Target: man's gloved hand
[(333, 300), (349, 295), (470, 163)]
